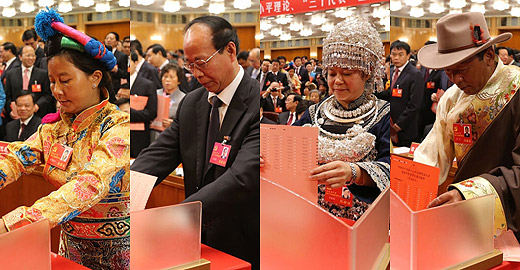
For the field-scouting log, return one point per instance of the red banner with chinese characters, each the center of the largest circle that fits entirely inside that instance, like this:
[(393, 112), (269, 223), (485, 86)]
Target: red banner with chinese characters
[(280, 7)]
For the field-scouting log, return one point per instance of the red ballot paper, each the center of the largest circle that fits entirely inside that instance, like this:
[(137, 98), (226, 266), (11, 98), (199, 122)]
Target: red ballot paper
[(290, 153), (137, 103), (163, 112), (414, 182)]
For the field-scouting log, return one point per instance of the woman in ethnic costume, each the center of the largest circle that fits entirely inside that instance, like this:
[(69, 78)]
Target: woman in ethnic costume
[(354, 138), (92, 200)]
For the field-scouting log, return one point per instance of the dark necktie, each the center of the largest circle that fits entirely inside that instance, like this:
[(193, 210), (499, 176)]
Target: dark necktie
[(394, 79), (214, 126), (22, 127)]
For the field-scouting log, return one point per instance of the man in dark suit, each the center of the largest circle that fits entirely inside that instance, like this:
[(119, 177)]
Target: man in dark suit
[(28, 77), (8, 55), (272, 98), (280, 76), (266, 77), (121, 75), (299, 69), (29, 38), (144, 68), (141, 87), (265, 120), (289, 117), (407, 86), (506, 55), (254, 61), (21, 129), (230, 194)]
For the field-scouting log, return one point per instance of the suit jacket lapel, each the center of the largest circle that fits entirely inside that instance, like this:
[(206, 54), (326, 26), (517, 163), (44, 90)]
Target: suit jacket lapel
[(201, 124)]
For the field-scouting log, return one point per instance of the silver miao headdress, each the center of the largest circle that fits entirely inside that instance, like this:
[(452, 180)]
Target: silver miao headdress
[(355, 44)]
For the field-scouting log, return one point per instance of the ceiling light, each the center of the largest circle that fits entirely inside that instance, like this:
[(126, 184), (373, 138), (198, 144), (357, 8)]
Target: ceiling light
[(64, 7), (416, 12), (216, 8), (296, 26), (380, 12), (86, 3), (282, 20), (194, 3), (6, 3), (329, 11), (318, 19), (500, 5), (156, 37), (305, 32), (259, 36), (478, 8), (265, 25), (8, 12), (285, 36), (45, 3), (102, 7), (124, 3), (242, 4), (342, 13), (413, 3), (395, 5), (515, 11), (171, 6), (478, 1), (437, 8), (327, 27), (308, 14), (457, 3), (276, 31), (26, 7)]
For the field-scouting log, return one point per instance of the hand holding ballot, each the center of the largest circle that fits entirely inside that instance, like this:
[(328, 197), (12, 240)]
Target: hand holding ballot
[(338, 173)]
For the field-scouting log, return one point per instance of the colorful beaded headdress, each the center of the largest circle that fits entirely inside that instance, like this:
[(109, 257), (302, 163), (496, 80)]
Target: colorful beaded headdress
[(355, 44), (49, 23)]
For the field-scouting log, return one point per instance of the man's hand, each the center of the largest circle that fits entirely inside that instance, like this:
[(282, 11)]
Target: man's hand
[(447, 197)]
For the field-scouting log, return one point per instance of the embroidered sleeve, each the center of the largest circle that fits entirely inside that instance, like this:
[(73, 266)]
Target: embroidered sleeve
[(479, 186), (378, 171), (23, 158), (107, 172)]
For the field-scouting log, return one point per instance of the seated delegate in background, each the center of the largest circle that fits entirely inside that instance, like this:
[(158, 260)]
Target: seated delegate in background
[(20, 129)]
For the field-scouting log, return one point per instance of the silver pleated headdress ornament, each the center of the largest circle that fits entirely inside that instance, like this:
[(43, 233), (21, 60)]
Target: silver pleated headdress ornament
[(355, 44)]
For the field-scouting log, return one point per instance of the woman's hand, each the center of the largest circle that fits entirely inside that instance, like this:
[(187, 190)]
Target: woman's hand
[(166, 122), (446, 197), (262, 161), (334, 174)]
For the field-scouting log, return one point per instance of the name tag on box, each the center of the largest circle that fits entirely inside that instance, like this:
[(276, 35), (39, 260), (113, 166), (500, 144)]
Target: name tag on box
[(341, 196), (60, 156), (397, 92), (220, 154), (462, 133)]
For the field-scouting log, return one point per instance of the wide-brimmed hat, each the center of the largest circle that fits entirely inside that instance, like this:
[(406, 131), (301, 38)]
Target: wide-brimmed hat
[(459, 37)]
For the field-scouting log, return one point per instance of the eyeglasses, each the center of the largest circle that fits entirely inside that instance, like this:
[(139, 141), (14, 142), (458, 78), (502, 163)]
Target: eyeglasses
[(200, 64)]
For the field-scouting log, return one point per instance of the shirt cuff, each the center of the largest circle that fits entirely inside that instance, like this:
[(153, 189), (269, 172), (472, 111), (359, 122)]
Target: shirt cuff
[(16, 219), (477, 187)]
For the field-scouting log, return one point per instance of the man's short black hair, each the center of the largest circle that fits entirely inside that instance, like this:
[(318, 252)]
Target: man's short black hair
[(28, 34), (265, 59), (135, 45), (9, 46), (400, 45), (126, 39), (26, 93), (243, 55), (121, 101), (297, 57), (308, 63), (115, 34), (275, 60), (223, 32), (297, 97), (509, 50), (281, 57), (158, 48)]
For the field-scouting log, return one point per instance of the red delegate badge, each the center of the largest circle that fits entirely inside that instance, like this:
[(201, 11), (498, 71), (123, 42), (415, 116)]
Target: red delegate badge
[(462, 133), (341, 196), (397, 92), (60, 156), (36, 88), (220, 154), (430, 85)]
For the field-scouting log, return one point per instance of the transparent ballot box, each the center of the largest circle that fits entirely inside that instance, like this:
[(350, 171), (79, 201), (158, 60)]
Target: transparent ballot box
[(27, 248), (440, 237), (165, 237), (295, 233)]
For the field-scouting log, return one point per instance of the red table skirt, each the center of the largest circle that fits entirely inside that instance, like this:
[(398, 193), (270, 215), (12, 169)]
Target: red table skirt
[(222, 261)]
